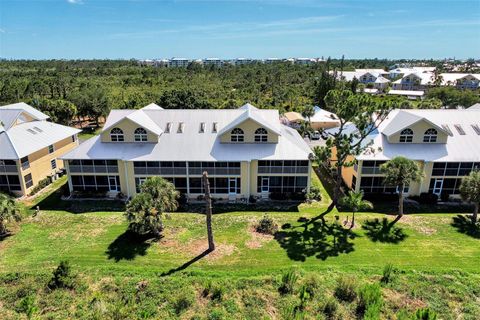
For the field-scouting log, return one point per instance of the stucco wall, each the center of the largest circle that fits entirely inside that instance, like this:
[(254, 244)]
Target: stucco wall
[(419, 129), (128, 127), (249, 126)]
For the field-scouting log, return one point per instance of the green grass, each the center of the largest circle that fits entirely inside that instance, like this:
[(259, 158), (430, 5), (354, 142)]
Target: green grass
[(85, 135)]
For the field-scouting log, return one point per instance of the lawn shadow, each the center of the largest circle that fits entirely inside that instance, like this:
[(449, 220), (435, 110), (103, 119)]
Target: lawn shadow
[(315, 237), (383, 231), (5, 236), (128, 246), (464, 224), (186, 264)]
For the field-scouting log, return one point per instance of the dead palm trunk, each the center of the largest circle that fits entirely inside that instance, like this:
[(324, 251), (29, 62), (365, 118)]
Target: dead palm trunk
[(400, 205), (208, 199)]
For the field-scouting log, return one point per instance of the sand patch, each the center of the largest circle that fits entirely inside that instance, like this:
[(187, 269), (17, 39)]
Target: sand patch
[(401, 301), (199, 246), (420, 224), (257, 239)]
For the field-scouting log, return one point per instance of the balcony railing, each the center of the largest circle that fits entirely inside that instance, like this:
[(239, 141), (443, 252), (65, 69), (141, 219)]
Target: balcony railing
[(93, 169), (300, 169), (160, 171), (8, 168), (371, 170), (215, 171)]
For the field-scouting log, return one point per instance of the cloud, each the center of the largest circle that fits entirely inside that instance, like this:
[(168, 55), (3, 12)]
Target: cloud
[(2, 30), (75, 1)]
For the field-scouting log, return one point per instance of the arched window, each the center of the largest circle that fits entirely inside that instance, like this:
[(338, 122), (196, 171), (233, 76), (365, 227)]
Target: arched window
[(116, 134), (237, 135), (406, 135), (140, 135), (261, 135), (430, 135)]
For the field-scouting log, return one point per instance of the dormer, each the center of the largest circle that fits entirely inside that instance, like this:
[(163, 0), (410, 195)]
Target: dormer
[(134, 127), (408, 128), (250, 127)]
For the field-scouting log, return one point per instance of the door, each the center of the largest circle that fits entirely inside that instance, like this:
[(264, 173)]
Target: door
[(437, 187), (265, 185), (232, 186), (113, 185)]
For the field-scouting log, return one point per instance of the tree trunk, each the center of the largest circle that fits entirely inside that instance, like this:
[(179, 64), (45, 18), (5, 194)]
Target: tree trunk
[(400, 206), (208, 199), (475, 213), (338, 184), (353, 220)]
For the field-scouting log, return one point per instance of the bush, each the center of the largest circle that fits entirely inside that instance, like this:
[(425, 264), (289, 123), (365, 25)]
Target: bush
[(388, 273), (182, 302), (445, 196), (314, 194), (428, 198), (214, 291), (330, 308), (266, 225), (424, 314), (312, 284), (27, 306), (41, 184), (370, 301), (346, 289), (62, 277), (289, 279)]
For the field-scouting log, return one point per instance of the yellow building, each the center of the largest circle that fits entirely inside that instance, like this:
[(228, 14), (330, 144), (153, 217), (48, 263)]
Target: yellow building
[(246, 152), (444, 143), (30, 147)]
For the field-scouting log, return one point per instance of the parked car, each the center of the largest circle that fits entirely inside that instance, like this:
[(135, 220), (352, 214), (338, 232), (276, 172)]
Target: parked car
[(315, 135)]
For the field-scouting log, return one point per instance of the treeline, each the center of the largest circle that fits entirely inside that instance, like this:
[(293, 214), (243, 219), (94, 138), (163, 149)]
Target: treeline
[(67, 89)]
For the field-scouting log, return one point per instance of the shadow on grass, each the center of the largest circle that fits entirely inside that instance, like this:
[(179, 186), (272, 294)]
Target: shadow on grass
[(464, 224), (186, 264), (383, 231), (5, 236), (128, 246), (315, 237)]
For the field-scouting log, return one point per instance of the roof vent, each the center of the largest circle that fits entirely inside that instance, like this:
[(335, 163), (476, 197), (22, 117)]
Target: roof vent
[(202, 127), (181, 126), (447, 128), (38, 129), (476, 128), (215, 127), (459, 129), (31, 131), (168, 127)]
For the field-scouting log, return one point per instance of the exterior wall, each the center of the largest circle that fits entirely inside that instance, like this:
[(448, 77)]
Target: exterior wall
[(249, 127), (128, 127), (40, 162), (419, 129)]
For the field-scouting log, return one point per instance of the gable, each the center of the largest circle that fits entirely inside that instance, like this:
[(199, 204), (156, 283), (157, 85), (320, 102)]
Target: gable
[(128, 127), (249, 127)]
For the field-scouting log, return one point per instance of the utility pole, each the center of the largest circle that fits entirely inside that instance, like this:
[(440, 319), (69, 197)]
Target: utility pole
[(208, 200)]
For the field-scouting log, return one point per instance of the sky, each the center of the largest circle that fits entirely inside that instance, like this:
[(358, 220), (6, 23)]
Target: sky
[(146, 29)]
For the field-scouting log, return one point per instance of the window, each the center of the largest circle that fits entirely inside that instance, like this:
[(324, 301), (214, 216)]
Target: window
[(53, 164), (406, 135), (28, 180), (202, 127), (140, 135), (168, 127), (25, 163), (261, 135), (116, 135), (430, 135), (51, 149), (237, 135)]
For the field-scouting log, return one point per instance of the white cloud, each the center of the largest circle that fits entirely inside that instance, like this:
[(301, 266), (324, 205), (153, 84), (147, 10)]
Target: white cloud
[(75, 1)]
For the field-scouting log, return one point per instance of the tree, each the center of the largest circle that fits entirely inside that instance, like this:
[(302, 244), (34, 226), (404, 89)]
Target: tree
[(59, 111), (400, 172), (183, 99), (362, 112), (145, 211), (208, 200), (470, 191), (305, 129), (8, 212), (324, 83), (308, 112), (91, 102), (354, 201)]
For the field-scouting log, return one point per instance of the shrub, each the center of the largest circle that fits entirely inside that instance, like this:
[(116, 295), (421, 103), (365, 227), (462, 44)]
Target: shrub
[(304, 296), (183, 301), (424, 314), (370, 301), (27, 306), (445, 196), (388, 273), (346, 289), (312, 283), (214, 290), (330, 308), (216, 314), (266, 225), (41, 184), (314, 194), (62, 277), (428, 198), (289, 279)]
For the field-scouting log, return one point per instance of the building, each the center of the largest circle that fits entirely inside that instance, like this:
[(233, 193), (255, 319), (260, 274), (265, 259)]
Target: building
[(374, 78), (323, 119), (410, 94), (293, 119), (246, 152), (305, 61), (243, 61), (179, 62), (30, 147), (212, 62), (461, 80), (444, 143), (414, 81)]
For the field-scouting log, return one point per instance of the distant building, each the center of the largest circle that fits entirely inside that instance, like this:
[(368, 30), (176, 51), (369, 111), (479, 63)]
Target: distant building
[(305, 61), (461, 80), (212, 62), (179, 62), (243, 61), (376, 78)]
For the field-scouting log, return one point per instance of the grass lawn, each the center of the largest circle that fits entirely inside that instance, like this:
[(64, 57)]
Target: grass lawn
[(430, 252)]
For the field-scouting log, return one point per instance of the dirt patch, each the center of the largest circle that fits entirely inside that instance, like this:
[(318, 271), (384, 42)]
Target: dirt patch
[(257, 239), (401, 301), (420, 224), (169, 240), (196, 247)]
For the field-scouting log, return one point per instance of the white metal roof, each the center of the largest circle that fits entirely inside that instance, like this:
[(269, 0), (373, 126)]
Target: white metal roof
[(28, 137), (322, 115), (152, 106), (416, 93), (193, 145), (458, 147), (476, 106), (36, 114), (451, 78)]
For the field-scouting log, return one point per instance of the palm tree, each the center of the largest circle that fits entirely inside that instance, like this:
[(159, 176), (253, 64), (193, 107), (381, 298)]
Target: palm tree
[(400, 172), (470, 191), (354, 201), (208, 199), (305, 129), (145, 211), (8, 212), (308, 112)]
